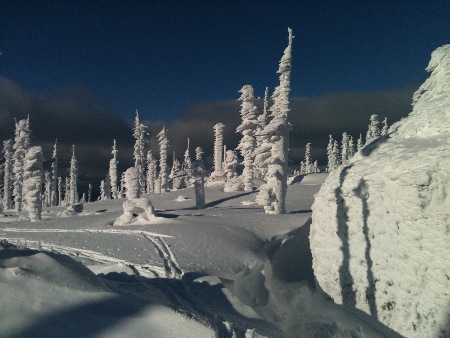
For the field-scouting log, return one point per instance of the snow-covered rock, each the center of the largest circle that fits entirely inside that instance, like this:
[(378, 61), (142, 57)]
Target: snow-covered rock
[(380, 231)]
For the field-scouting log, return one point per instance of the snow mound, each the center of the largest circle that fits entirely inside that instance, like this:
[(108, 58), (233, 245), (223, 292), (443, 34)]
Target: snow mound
[(380, 225), (181, 198), (136, 211)]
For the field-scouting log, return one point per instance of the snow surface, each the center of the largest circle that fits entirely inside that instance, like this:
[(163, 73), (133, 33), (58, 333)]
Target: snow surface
[(380, 226), (226, 270)]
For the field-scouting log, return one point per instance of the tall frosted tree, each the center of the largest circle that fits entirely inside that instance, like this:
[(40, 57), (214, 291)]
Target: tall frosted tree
[(151, 172), (218, 146), (139, 131), (272, 195), (308, 162), (73, 178), (21, 145), (263, 146), (344, 148), (351, 147), (54, 167), (247, 128), (187, 163), (331, 160), (8, 174), (60, 191), (102, 191), (113, 171), (359, 143), (163, 145), (198, 153), (33, 172), (47, 189)]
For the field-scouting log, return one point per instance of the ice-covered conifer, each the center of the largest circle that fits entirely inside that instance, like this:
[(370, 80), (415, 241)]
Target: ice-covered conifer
[(218, 146), (231, 162), (60, 191), (122, 186), (272, 195), (131, 183), (47, 189), (54, 177), (302, 168), (73, 178), (151, 172), (66, 191), (8, 173), (263, 147), (32, 191), (163, 145), (336, 154), (374, 128), (359, 143), (385, 128), (139, 131), (351, 147), (187, 164), (308, 159), (330, 164), (344, 148), (198, 153), (315, 167), (102, 191), (247, 128), (113, 171), (21, 145)]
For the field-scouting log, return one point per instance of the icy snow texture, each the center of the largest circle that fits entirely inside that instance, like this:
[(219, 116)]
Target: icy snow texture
[(136, 211), (380, 231)]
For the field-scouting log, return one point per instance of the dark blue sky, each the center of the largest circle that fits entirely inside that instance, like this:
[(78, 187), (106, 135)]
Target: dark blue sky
[(162, 56)]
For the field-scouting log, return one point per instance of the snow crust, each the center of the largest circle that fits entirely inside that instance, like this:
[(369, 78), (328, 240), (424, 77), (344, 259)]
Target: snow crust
[(380, 226)]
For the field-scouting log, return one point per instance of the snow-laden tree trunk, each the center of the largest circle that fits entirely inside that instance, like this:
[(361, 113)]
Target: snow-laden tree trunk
[(308, 159), (47, 189), (73, 177), (330, 163), (351, 147), (163, 145), (102, 191), (231, 162), (33, 171), (131, 183), (21, 145), (187, 164), (218, 146), (8, 174), (113, 171), (247, 128), (273, 194), (60, 191), (89, 196), (344, 148), (54, 185)]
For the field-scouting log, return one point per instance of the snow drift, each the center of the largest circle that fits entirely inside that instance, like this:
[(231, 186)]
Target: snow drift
[(380, 227)]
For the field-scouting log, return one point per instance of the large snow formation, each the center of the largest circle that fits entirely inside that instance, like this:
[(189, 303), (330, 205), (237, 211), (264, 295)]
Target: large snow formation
[(380, 230)]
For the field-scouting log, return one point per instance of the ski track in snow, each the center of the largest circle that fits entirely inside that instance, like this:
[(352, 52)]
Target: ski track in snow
[(173, 270)]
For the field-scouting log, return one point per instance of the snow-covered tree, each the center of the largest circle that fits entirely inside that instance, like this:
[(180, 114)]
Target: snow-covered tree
[(385, 128), (315, 167), (73, 177), (331, 160), (308, 162), (247, 128), (107, 187), (351, 147), (218, 146), (336, 154), (359, 143), (102, 191), (374, 128), (32, 191), (187, 164), (198, 153), (60, 191), (47, 189), (231, 162), (151, 172), (163, 145), (272, 195), (263, 148), (131, 183), (21, 145), (122, 186), (54, 186), (113, 171), (139, 131), (66, 191), (175, 173), (344, 148), (8, 173)]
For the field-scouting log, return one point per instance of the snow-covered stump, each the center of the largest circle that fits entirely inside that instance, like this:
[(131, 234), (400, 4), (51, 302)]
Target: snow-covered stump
[(136, 211), (380, 225), (131, 183), (198, 171), (33, 171)]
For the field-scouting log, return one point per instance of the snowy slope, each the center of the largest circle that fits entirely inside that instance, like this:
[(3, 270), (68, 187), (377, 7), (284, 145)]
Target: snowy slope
[(380, 226), (229, 267)]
